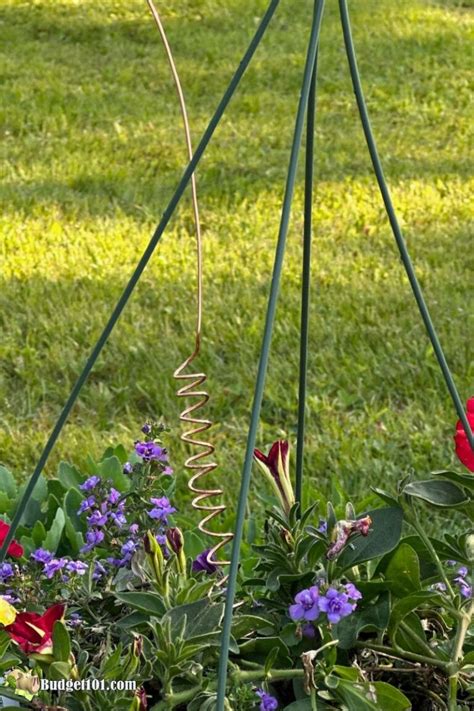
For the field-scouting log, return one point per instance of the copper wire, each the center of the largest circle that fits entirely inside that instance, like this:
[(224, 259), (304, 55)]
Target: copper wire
[(194, 381)]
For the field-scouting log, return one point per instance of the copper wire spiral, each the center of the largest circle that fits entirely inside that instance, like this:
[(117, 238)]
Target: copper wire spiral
[(194, 381)]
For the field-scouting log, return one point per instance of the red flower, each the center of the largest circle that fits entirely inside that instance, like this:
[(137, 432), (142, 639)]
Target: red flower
[(14, 549), (276, 466), (34, 632), (463, 448)]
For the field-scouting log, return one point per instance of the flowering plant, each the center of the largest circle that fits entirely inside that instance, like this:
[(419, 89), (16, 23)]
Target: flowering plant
[(340, 606)]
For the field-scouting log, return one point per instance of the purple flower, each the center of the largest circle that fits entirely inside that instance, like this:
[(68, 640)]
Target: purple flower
[(114, 496), (451, 563), (129, 548), (90, 483), (336, 605), (150, 451), (86, 504), (10, 596), (134, 528), (162, 509), (54, 566), (146, 429), (463, 571), (323, 526), (6, 571), (118, 518), (168, 471), (201, 563), (306, 605), (41, 555), (128, 468), (267, 702), (75, 619), (77, 566), (99, 570), (352, 592), (97, 518), (308, 631), (464, 588), (118, 562), (438, 587), (93, 538)]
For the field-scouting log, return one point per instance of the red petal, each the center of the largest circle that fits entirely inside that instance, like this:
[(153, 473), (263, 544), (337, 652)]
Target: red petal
[(273, 455), (52, 615), (4, 528), (261, 456), (15, 549)]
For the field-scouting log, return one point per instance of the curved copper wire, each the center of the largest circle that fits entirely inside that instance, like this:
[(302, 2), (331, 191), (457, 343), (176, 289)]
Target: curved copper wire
[(195, 380)]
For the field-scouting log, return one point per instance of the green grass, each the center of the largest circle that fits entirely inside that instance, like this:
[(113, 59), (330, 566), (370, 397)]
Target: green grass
[(91, 150)]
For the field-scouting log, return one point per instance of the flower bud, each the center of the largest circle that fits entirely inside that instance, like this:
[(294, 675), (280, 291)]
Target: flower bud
[(175, 540), (276, 467), (140, 702), (155, 556), (137, 646)]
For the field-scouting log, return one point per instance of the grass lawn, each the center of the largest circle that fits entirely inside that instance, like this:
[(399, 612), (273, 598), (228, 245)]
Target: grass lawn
[(91, 150)]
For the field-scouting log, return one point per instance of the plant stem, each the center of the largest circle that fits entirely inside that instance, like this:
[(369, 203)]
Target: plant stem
[(314, 703), (242, 675), (181, 697), (414, 637), (413, 520), (457, 654), (403, 654)]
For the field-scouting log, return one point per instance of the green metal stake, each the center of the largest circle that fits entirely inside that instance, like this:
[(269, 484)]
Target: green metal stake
[(191, 167), (390, 210), (264, 353), (306, 283)]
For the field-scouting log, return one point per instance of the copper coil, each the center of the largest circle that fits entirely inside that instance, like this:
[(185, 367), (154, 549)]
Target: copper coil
[(196, 380)]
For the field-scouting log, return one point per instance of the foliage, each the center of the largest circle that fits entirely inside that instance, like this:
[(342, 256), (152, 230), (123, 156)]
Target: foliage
[(92, 147), (342, 607)]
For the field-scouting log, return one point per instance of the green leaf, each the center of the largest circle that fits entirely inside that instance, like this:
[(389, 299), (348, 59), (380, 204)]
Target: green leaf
[(75, 538), (372, 617), (376, 696), (384, 536), (72, 501), (300, 705), (403, 571), (69, 476), (7, 483), (193, 543), (408, 604), (245, 624), (6, 504), (467, 659), (133, 620), (61, 642), (437, 492), (54, 534), (58, 671), (111, 468), (33, 510), (202, 618), (466, 480), (5, 641), (259, 647), (385, 496), (38, 534), (410, 634), (148, 602), (56, 488)]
